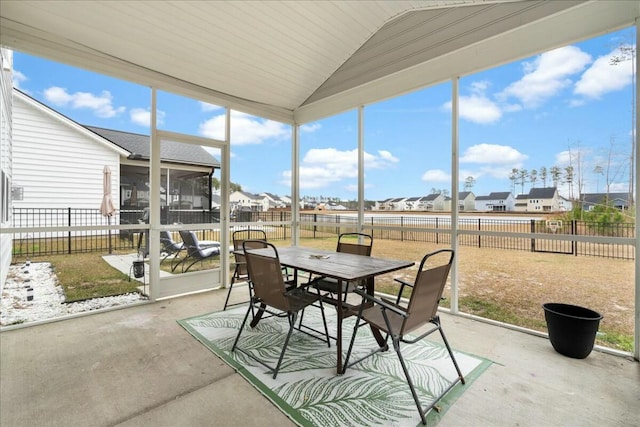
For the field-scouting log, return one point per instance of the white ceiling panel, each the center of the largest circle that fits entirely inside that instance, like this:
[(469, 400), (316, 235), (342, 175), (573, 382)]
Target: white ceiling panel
[(291, 60)]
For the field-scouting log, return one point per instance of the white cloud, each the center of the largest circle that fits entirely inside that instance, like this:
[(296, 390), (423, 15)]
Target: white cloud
[(310, 127), (493, 154), (142, 117), (436, 175), (100, 104), (18, 78), (205, 106), (245, 129), (604, 76), (477, 107), (547, 76), (322, 167)]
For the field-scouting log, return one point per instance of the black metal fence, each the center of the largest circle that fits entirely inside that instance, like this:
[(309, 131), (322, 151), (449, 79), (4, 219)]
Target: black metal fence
[(411, 228)]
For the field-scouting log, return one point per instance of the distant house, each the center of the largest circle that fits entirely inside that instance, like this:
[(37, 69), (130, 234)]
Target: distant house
[(522, 201), (564, 204), (432, 202), (245, 201), (397, 204), (500, 201), (466, 201), (385, 205), (411, 204), (616, 200), (274, 201), (544, 200), (58, 163)]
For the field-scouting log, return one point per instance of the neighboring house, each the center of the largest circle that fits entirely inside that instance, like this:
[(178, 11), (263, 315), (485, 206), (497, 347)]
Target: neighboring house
[(384, 205), (274, 201), (497, 201), (564, 204), (58, 163), (411, 204), (6, 180), (244, 201), (398, 204), (543, 200), (616, 200), (466, 201), (432, 202), (286, 200), (521, 203)]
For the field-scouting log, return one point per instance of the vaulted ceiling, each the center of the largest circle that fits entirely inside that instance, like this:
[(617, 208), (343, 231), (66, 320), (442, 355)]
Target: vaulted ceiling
[(299, 61)]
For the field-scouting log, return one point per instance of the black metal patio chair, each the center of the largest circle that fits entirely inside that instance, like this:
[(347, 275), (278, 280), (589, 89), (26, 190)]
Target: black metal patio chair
[(195, 251), (270, 295), (397, 320)]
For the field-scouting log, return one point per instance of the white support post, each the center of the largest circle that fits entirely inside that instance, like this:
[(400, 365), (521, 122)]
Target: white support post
[(154, 203), (454, 191), (224, 198), (636, 345), (360, 168), (295, 184)]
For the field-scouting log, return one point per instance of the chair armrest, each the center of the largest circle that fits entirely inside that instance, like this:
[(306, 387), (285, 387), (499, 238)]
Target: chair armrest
[(384, 304), (403, 284)]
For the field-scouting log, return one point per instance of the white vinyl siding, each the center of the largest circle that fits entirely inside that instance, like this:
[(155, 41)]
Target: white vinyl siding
[(6, 65), (56, 164)]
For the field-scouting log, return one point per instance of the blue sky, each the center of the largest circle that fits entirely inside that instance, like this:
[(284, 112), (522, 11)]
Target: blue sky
[(569, 106)]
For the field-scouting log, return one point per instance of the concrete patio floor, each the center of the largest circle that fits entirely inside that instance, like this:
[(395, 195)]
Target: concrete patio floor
[(137, 367)]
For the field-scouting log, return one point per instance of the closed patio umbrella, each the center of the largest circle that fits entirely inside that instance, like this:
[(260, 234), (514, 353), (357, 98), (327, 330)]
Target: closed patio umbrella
[(106, 207)]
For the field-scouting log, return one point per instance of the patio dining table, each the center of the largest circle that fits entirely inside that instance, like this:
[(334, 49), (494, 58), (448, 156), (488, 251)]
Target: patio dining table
[(342, 267)]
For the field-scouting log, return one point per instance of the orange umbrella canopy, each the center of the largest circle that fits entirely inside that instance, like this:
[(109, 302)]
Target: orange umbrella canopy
[(106, 207)]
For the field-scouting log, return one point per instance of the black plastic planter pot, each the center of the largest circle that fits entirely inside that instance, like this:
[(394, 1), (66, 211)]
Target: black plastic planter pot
[(572, 329)]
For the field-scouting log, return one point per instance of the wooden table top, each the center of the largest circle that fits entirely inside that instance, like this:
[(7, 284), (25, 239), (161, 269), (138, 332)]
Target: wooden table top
[(339, 265)]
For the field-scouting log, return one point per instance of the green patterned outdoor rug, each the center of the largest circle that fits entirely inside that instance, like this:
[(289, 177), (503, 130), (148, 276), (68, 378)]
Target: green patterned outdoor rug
[(307, 389)]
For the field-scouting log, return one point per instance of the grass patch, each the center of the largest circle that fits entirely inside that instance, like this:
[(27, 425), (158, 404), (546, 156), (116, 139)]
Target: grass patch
[(85, 276)]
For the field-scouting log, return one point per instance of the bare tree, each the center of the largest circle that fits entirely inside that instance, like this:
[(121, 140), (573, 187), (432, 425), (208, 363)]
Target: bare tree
[(614, 167), (598, 170), (569, 176), (543, 176), (513, 177), (533, 177), (556, 175), (628, 53), (469, 182), (522, 179)]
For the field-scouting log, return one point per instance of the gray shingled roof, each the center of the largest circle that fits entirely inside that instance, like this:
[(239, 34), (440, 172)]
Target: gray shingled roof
[(170, 151), (542, 193), (600, 197), (496, 195)]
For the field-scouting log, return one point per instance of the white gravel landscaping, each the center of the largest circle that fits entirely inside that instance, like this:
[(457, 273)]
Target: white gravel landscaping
[(48, 297)]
